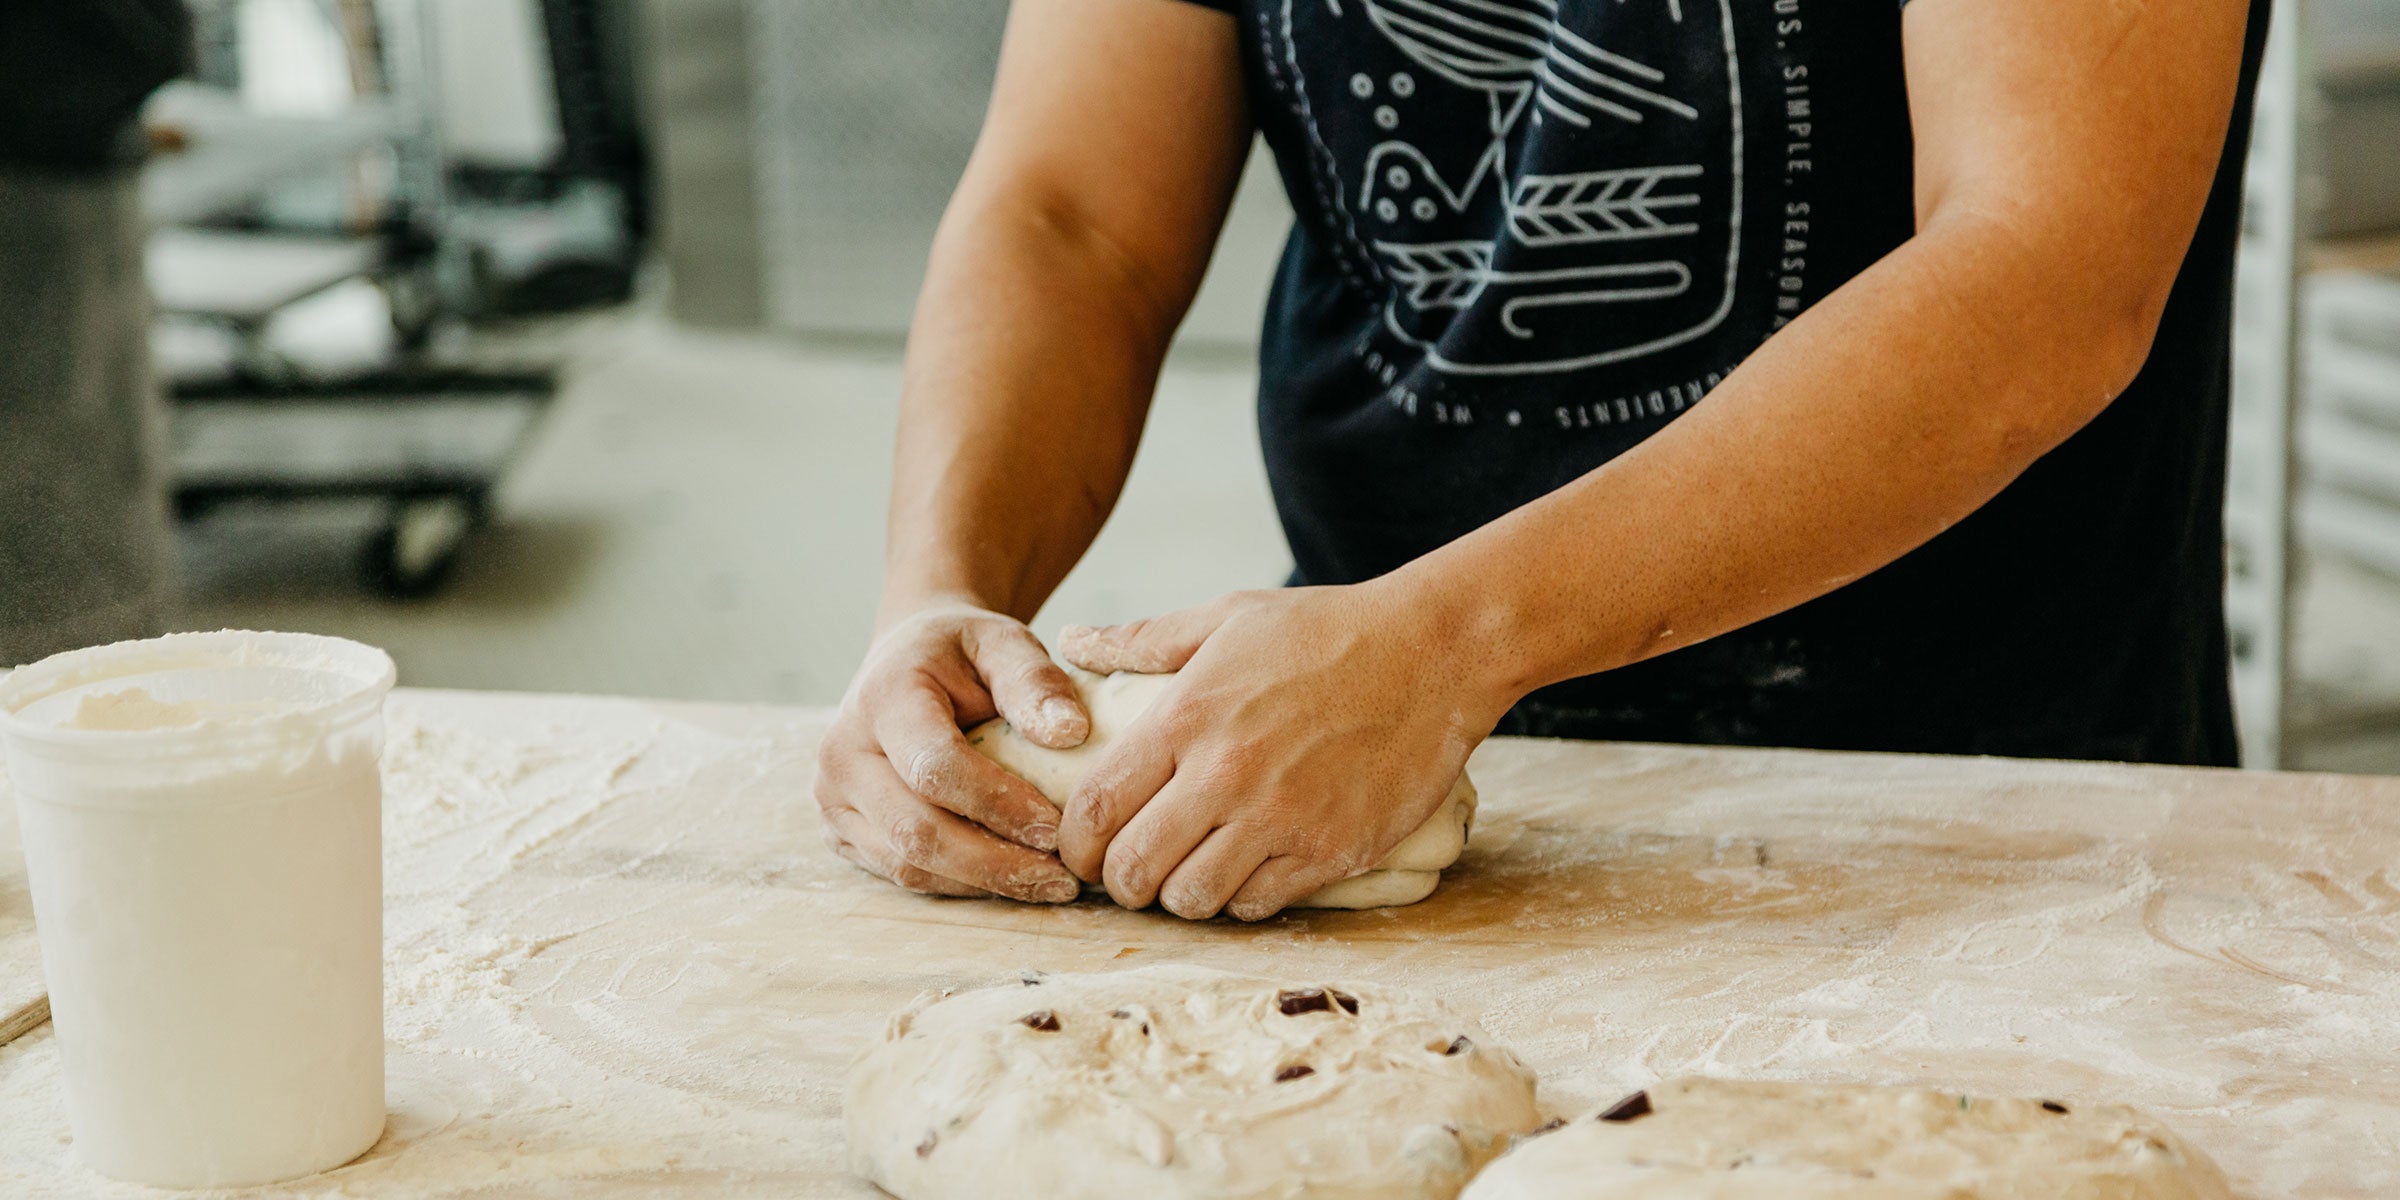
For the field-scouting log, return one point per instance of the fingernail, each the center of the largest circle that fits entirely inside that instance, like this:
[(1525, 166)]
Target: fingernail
[(1058, 891), (1042, 837), (1061, 714)]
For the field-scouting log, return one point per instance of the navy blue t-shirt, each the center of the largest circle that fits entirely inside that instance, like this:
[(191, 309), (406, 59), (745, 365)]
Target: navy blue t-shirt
[(1532, 232)]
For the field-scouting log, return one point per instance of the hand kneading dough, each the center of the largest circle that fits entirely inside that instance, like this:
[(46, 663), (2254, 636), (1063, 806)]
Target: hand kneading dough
[(1406, 875), (1708, 1139), (1180, 1083)]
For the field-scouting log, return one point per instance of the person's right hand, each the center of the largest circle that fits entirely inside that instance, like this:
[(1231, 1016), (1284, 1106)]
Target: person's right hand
[(903, 794)]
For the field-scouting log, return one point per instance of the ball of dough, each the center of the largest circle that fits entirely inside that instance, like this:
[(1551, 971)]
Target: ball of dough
[(1406, 875), (1731, 1140), (1180, 1083)]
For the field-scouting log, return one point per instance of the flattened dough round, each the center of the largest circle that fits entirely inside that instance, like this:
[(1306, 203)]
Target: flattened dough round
[(1181, 1083), (1710, 1139), (1406, 875)]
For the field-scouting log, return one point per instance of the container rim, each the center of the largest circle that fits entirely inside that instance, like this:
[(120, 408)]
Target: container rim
[(368, 670)]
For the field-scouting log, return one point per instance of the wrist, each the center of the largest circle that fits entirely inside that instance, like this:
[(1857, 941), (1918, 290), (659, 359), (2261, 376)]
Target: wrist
[(997, 582), (901, 602), (1479, 631)]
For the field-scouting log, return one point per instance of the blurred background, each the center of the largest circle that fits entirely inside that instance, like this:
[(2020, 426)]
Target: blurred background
[(555, 344)]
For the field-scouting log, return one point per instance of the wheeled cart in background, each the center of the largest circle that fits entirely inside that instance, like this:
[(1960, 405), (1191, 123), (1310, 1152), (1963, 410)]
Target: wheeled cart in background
[(345, 192), (427, 446)]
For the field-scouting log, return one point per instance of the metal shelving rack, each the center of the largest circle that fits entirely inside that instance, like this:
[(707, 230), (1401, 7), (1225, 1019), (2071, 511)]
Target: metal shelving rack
[(2277, 230), (2315, 461), (426, 440)]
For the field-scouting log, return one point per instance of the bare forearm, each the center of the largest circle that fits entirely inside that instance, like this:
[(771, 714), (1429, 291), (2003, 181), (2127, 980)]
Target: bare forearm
[(1030, 369), (1071, 249), (2057, 192), (1890, 411)]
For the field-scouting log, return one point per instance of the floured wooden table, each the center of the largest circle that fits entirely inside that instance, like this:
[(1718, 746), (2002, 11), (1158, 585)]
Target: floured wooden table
[(620, 962)]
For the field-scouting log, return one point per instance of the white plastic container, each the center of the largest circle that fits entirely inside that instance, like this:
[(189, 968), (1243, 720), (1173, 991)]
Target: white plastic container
[(202, 827)]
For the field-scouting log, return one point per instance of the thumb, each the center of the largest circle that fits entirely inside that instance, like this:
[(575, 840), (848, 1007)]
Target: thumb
[(1029, 689), (1155, 646)]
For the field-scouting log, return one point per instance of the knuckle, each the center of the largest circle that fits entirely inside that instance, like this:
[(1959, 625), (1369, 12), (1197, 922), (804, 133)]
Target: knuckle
[(1184, 718), (1131, 864), (860, 860), (876, 688), (832, 798), (924, 766), (1234, 761), (1040, 673), (1089, 806), (998, 802), (841, 748), (1349, 855), (1318, 847), (833, 770), (914, 839), (1168, 731), (1013, 802), (1000, 641)]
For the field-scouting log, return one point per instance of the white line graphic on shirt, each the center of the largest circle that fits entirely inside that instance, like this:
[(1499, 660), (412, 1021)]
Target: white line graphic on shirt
[(1624, 204), (1680, 276), (1599, 206), (1382, 174), (1439, 274), (1454, 275), (1584, 260), (1651, 280), (1514, 49)]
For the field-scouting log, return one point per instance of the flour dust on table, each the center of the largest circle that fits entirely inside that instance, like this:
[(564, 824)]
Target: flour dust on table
[(1728, 1140), (1181, 1083), (1409, 873)]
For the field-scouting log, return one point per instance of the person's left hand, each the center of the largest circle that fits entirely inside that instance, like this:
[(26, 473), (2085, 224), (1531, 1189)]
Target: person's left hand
[(1310, 729)]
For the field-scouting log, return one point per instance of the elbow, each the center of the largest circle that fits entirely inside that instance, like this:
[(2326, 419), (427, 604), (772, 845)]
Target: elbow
[(2122, 339), (2082, 359), (2082, 372), (2070, 309), (1079, 249)]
